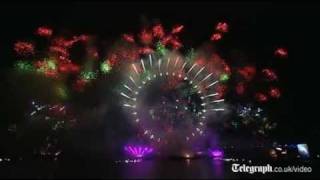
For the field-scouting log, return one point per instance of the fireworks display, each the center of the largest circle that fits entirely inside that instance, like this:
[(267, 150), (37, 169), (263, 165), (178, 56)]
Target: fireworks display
[(57, 119), (177, 96), (166, 94), (281, 52), (24, 48), (254, 119), (145, 91), (44, 31), (216, 153), (138, 151)]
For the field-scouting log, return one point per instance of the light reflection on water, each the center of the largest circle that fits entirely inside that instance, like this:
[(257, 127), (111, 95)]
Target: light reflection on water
[(134, 168), (142, 169), (188, 168), (218, 167)]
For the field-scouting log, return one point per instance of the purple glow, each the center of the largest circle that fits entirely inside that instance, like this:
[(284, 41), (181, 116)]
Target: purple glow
[(138, 151), (216, 153)]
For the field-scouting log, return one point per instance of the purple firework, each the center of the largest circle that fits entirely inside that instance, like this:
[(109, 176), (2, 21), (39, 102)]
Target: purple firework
[(138, 151), (216, 153)]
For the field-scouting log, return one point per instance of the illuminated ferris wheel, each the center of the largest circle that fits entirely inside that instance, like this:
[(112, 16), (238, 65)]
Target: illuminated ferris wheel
[(170, 97)]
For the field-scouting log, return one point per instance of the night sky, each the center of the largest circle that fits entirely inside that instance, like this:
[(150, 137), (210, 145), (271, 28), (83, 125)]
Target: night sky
[(256, 30)]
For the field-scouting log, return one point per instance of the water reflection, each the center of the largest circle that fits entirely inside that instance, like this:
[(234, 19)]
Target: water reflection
[(181, 168), (141, 169), (218, 167)]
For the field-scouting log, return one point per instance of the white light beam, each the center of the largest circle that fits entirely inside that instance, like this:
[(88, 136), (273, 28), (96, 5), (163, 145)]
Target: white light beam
[(212, 84), (142, 63)]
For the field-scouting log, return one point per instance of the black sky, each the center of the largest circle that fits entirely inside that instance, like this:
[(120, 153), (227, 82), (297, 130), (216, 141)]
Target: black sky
[(256, 29)]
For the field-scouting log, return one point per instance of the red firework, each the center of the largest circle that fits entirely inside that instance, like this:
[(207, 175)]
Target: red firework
[(59, 50), (69, 68), (274, 92), (62, 42), (261, 97), (83, 38), (158, 31), (44, 31), (146, 50), (269, 74), (177, 29), (129, 54), (281, 52), (24, 48), (221, 90), (128, 37), (216, 64), (226, 68), (247, 72), (241, 88), (216, 37), (93, 52), (175, 42), (166, 40), (222, 27), (200, 61), (68, 43), (52, 74), (113, 59), (146, 37)]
